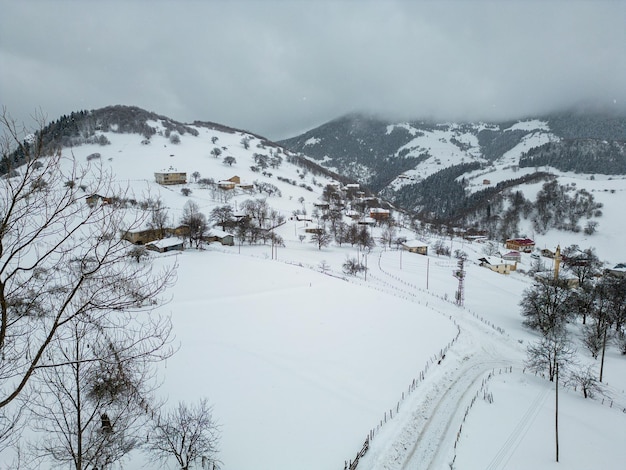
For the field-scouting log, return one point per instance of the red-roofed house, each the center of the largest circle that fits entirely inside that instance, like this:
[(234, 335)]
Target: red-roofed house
[(521, 244)]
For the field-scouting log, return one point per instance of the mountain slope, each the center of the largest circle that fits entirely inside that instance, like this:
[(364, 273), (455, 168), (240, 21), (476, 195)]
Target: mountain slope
[(460, 172)]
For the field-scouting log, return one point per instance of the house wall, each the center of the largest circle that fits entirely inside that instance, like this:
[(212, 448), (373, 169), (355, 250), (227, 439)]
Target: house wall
[(171, 178), (141, 237), (513, 245), (421, 250)]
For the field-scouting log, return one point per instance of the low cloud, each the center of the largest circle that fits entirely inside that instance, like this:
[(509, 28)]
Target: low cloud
[(279, 68)]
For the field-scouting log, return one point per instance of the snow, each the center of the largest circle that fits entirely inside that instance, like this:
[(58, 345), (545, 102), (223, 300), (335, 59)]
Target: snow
[(301, 365), (529, 125), (312, 141)]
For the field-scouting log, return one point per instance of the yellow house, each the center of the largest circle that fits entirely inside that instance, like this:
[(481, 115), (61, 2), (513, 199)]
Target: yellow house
[(170, 176), (415, 246), (497, 264)]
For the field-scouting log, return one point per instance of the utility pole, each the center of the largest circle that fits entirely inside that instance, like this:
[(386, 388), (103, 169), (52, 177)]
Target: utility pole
[(365, 256), (460, 275), (556, 413)]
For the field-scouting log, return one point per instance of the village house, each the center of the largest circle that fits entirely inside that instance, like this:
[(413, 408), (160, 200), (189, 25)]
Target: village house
[(166, 244), (322, 205), (234, 182), (619, 270), (354, 215), (546, 253), (180, 231), (93, 199), (525, 245), (498, 265), (377, 213), (314, 229), (226, 184), (217, 235), (170, 176), (302, 218), (141, 236), (415, 246), (512, 256), (367, 221), (570, 279)]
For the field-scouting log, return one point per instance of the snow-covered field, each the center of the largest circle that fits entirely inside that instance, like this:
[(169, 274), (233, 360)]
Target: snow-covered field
[(302, 365)]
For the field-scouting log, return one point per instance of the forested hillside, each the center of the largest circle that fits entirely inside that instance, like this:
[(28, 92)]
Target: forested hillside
[(580, 156)]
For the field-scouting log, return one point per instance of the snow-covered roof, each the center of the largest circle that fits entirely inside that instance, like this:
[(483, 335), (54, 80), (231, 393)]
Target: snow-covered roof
[(521, 241), (493, 260), (564, 275), (169, 170), (216, 232), (166, 242), (414, 244)]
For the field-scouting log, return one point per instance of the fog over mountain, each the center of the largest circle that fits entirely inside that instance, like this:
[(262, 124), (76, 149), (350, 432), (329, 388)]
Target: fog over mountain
[(281, 68)]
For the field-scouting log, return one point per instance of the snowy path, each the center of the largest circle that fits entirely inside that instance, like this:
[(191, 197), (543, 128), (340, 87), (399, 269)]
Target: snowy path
[(422, 436)]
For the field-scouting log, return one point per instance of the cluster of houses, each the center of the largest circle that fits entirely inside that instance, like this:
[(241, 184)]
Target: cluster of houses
[(234, 182), (170, 238)]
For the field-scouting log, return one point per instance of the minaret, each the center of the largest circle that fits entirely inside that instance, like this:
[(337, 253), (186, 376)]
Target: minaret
[(557, 262)]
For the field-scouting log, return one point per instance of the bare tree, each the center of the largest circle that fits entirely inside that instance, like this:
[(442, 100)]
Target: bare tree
[(188, 434), (61, 260), (222, 215), (321, 238), (93, 402), (353, 266), (584, 264), (229, 160), (158, 218), (552, 349), (585, 378), (388, 235), (195, 221), (490, 248), (138, 253), (256, 209), (545, 306)]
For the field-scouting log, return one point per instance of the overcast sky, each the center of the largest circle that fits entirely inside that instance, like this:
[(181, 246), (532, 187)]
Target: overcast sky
[(279, 68)]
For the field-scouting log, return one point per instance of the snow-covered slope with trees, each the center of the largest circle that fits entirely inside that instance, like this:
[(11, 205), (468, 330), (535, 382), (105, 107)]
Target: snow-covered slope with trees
[(302, 361)]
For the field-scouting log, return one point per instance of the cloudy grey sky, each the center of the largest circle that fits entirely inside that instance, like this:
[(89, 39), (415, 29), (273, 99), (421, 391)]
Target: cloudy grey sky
[(280, 67)]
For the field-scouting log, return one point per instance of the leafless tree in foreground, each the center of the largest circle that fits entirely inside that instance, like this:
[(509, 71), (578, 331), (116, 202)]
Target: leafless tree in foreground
[(62, 263), (92, 404), (189, 434)]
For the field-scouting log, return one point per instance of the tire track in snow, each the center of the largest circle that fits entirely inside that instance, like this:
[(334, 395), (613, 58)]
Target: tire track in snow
[(515, 438)]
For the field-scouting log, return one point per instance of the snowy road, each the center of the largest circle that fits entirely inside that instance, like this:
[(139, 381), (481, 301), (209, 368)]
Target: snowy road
[(422, 436)]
